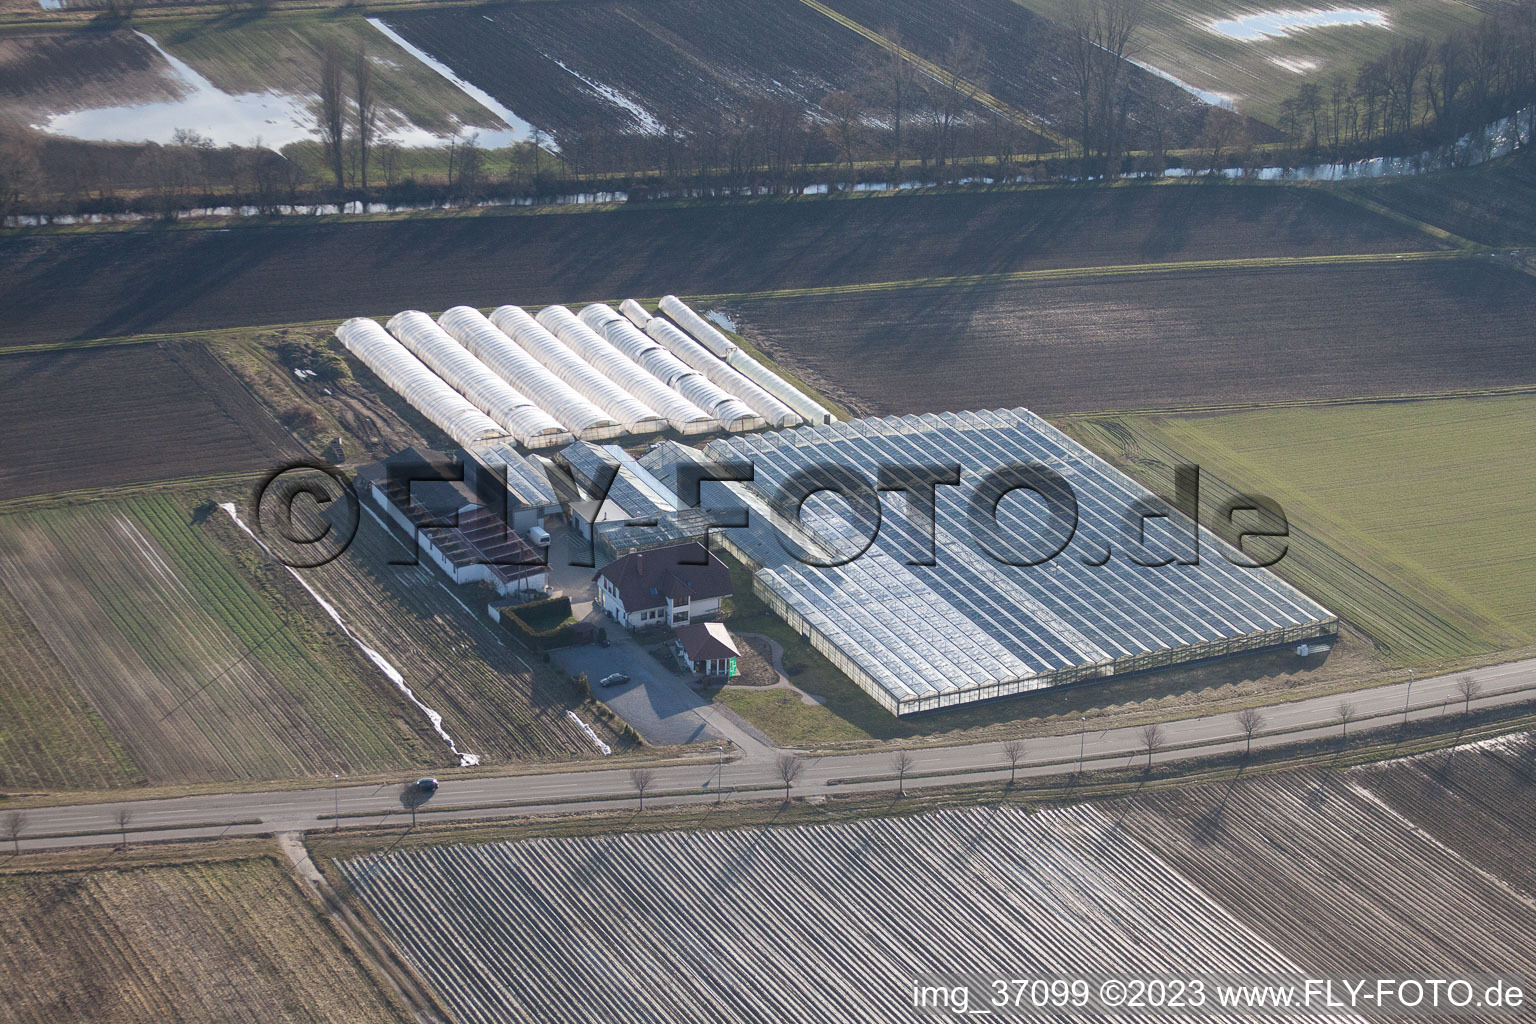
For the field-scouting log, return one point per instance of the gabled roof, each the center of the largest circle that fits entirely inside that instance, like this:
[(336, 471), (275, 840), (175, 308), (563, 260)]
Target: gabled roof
[(706, 641), (683, 572)]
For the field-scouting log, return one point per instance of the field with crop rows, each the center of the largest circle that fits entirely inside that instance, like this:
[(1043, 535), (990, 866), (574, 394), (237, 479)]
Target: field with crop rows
[(1026, 63), (1317, 872), (494, 702), (195, 672), (1395, 527), (80, 286), (1197, 337), (695, 66), (231, 941), (102, 417), (1257, 74)]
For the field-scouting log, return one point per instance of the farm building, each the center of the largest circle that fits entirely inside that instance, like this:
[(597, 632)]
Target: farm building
[(668, 586), (452, 524), (543, 380), (706, 648), (968, 625)]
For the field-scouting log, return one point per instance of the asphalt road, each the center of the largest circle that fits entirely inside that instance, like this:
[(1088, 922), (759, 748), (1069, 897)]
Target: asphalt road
[(753, 776)]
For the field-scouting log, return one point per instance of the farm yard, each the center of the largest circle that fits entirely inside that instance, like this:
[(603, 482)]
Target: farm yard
[(1356, 870), (1100, 340), (140, 282), (1393, 526), (151, 627), (494, 703), (109, 416), (229, 940)]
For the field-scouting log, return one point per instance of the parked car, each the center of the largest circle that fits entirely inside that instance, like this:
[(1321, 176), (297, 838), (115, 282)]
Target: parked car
[(616, 679)]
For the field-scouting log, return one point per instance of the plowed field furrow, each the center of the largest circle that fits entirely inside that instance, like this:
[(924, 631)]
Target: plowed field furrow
[(182, 658), (810, 924), (1337, 882), (232, 941)]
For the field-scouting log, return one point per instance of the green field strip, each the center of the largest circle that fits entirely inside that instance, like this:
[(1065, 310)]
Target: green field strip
[(1088, 273), (1353, 196), (944, 76)]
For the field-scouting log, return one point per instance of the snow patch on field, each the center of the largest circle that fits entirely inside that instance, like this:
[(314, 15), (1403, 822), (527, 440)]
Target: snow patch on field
[(1295, 65), (1252, 28), (591, 733), (393, 674), (229, 119), (719, 319), (648, 123), (517, 129), (1215, 99)]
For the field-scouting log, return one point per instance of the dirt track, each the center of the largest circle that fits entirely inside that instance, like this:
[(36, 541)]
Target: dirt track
[(60, 287)]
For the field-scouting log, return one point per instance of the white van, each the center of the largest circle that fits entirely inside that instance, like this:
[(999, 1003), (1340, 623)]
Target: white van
[(539, 536)]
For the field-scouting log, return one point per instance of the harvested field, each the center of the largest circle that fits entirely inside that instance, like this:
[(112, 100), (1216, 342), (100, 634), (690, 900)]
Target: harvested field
[(1316, 873), (1026, 63), (232, 941), (110, 416), (61, 287), (198, 676), (1390, 487), (696, 66), (1161, 340)]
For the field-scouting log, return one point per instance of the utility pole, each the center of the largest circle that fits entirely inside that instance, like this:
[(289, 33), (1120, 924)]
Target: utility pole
[(1408, 700), (1082, 741), (336, 801), (720, 775)]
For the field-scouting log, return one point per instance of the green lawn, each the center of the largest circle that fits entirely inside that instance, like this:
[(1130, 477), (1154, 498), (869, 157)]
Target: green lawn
[(1411, 519)]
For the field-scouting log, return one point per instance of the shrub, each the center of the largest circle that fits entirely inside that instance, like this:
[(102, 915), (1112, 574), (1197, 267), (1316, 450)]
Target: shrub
[(542, 625)]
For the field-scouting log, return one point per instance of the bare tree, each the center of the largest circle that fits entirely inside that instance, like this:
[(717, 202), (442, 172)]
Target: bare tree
[(1151, 740), (1013, 750), (1467, 688), (333, 113), (1344, 714), (367, 110), (902, 762), (641, 779), (20, 171), (124, 819), (1250, 720), (949, 102), (788, 767), (1104, 38), (844, 124), (15, 823), (895, 84), (1223, 130)]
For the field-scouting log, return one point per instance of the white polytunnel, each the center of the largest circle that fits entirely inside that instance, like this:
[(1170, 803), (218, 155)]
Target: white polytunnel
[(803, 405), (684, 416), (730, 412), (507, 359), (697, 356), (425, 390), (634, 415), (531, 425)]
